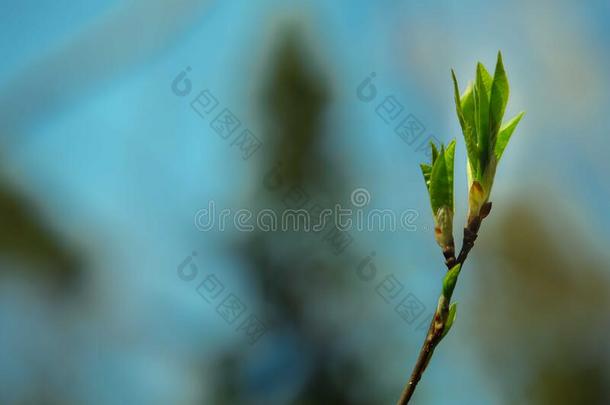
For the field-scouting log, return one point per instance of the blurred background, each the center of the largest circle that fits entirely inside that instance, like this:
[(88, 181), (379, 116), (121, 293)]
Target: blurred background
[(121, 121)]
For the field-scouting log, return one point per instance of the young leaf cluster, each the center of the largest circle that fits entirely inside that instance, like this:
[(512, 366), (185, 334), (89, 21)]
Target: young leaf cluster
[(438, 176), (480, 110)]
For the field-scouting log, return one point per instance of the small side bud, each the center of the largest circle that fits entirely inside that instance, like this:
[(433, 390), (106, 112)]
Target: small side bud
[(450, 280), (450, 318)]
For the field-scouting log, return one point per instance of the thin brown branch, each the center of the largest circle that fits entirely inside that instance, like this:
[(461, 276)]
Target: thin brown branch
[(432, 338), (437, 325)]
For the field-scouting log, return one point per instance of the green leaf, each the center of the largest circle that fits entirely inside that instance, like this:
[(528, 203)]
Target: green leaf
[(470, 129), (426, 171), (472, 150), (449, 161), (482, 90), (505, 133), (439, 184), (450, 318), (441, 179), (465, 111), (434, 152), (467, 101), (458, 101), (450, 280), (486, 78), (498, 100)]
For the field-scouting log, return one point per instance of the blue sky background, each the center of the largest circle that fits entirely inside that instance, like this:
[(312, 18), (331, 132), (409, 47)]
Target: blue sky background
[(118, 165)]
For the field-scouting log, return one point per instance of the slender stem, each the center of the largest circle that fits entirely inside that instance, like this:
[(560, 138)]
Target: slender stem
[(425, 354), (437, 325)]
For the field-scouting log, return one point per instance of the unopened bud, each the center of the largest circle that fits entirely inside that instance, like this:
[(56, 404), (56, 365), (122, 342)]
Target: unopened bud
[(476, 199), (443, 227)]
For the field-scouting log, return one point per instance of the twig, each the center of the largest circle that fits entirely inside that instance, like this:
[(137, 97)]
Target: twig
[(438, 323)]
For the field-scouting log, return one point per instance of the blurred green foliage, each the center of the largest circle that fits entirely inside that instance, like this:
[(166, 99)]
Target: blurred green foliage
[(295, 272), (29, 244), (548, 304)]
